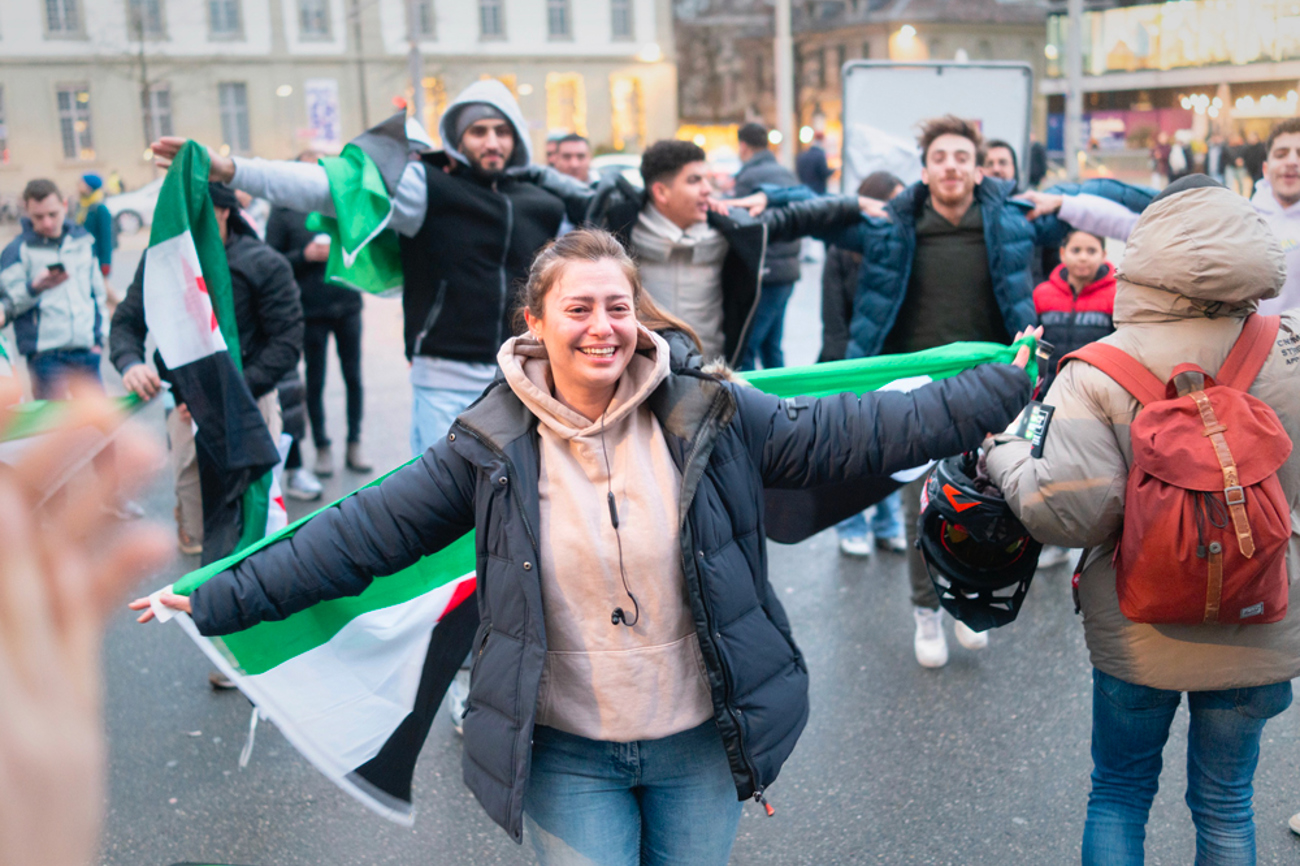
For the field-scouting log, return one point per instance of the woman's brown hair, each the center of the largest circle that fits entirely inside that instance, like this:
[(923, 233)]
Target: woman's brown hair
[(592, 245)]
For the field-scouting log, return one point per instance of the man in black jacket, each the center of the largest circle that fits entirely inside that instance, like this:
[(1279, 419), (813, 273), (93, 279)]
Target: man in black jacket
[(327, 309), (467, 233), (782, 265), (269, 317)]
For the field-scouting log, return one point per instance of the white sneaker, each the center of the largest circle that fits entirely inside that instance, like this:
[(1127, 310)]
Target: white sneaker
[(930, 644), (857, 545), (457, 696), (969, 638), (1053, 556), (1294, 823), (301, 484), (896, 544)]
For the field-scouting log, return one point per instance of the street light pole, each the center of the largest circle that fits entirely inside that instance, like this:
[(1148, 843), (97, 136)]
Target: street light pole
[(1073, 88), (784, 69), (414, 62)]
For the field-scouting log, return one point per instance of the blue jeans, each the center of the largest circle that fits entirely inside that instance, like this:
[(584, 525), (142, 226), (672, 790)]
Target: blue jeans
[(646, 803), (49, 369), (1129, 727), (886, 521), (432, 412), (765, 332)]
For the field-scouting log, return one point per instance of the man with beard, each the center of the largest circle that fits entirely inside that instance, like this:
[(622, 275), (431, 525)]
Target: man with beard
[(467, 232), (1276, 199)]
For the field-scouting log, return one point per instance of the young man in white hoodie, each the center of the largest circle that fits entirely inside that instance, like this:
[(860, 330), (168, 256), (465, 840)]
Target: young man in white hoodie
[(1276, 198)]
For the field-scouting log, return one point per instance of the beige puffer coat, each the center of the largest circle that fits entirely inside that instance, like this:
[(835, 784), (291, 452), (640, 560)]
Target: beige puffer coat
[(1197, 263)]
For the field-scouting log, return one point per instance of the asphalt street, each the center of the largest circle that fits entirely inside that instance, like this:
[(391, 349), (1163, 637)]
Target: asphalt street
[(983, 762)]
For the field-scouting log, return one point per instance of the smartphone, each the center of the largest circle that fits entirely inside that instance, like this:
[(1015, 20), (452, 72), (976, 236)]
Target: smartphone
[(57, 268)]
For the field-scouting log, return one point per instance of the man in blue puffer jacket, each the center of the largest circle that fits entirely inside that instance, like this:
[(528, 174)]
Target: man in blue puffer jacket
[(947, 259)]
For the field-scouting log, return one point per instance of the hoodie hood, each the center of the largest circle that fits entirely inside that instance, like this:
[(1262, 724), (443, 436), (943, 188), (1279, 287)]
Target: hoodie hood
[(527, 371), (1204, 252), (494, 93)]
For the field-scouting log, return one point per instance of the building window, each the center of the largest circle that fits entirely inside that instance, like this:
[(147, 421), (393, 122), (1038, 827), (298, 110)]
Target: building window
[(156, 107), (491, 19), (233, 99), (557, 19), (314, 19), (145, 19), (4, 130), (74, 122), (628, 116), (841, 56), (435, 105), (62, 17), (566, 103), (223, 19), (424, 24), (821, 67), (759, 72), (620, 19), (866, 50)]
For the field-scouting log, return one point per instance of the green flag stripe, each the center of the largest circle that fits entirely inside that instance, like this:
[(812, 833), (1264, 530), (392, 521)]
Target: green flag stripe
[(269, 644), (42, 416)]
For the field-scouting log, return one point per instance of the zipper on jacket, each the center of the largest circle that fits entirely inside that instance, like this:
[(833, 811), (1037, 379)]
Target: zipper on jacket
[(505, 255), (435, 311), (709, 620), (762, 801)]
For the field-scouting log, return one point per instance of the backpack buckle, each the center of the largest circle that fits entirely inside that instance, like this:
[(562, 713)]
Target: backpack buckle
[(1234, 495)]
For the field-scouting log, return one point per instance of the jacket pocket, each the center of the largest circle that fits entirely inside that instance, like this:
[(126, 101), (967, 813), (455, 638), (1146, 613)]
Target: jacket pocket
[(435, 311)]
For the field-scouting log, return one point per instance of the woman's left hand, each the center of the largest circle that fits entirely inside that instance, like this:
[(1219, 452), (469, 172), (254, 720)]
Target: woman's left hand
[(1022, 357)]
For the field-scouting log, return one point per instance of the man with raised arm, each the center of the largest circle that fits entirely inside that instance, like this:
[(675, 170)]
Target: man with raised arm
[(466, 234)]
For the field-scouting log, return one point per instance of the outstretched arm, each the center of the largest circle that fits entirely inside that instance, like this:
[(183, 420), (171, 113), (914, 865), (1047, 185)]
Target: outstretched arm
[(303, 186), (379, 531), (834, 219), (803, 442), (1090, 213)]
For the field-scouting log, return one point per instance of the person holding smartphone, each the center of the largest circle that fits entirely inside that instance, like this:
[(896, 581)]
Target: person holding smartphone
[(52, 289)]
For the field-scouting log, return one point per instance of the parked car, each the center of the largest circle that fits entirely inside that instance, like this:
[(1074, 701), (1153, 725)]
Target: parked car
[(133, 210), (626, 164)]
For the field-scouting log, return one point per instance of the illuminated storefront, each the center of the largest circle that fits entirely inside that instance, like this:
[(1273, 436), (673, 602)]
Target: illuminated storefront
[(1196, 65)]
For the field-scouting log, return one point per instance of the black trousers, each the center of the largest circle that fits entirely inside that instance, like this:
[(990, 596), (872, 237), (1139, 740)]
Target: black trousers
[(347, 342)]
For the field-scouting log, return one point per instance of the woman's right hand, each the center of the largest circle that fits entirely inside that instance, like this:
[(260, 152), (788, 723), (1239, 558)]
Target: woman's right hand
[(167, 599), (221, 168)]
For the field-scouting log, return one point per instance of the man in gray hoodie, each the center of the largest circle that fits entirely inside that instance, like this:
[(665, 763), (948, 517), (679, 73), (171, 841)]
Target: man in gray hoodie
[(467, 231)]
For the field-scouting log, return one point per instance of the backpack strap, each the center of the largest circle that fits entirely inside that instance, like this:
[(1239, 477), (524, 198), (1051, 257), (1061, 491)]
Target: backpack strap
[(1258, 336), (1123, 368)]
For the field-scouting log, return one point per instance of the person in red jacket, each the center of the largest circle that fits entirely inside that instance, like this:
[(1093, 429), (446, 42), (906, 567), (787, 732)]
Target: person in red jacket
[(1076, 302)]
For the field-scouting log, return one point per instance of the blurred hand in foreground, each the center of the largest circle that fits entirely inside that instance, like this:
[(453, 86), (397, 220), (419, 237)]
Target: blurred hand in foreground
[(62, 568)]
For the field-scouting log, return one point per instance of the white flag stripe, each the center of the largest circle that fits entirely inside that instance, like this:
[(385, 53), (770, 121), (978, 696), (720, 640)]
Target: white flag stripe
[(177, 308)]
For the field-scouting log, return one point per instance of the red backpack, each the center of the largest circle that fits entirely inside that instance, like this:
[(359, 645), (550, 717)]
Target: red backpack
[(1206, 524)]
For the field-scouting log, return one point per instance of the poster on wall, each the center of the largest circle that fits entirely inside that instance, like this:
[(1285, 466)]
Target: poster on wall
[(322, 95)]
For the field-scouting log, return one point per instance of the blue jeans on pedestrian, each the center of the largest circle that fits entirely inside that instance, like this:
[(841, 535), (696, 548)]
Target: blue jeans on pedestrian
[(432, 412), (49, 370), (765, 331), (886, 521), (1130, 724), (645, 803)]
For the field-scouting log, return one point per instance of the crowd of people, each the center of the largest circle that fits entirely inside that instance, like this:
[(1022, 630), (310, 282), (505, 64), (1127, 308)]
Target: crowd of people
[(571, 342)]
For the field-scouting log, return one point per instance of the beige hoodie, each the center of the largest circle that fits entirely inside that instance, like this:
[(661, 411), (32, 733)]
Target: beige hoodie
[(604, 681)]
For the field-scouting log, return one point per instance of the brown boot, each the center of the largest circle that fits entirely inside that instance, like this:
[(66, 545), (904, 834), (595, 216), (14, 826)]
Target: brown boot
[(356, 460)]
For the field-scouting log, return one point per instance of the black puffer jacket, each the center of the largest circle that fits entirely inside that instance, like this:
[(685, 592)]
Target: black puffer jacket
[(268, 314), (728, 441), (782, 266)]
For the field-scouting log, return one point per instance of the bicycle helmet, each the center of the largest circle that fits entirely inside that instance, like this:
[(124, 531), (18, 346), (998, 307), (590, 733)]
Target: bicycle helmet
[(980, 558)]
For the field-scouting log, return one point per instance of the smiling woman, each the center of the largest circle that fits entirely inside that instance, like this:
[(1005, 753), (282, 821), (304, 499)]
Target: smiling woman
[(623, 488)]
